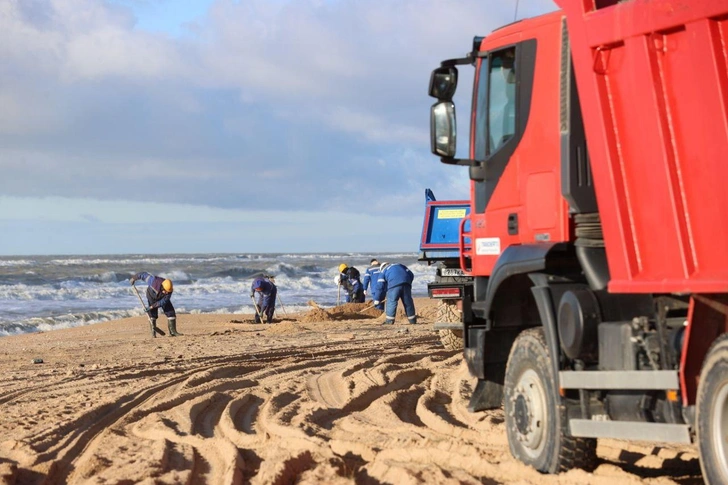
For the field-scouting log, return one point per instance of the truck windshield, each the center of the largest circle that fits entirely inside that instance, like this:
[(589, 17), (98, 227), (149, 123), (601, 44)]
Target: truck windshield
[(495, 103)]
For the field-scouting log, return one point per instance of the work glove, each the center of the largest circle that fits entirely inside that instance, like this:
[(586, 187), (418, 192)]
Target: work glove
[(132, 280), (365, 293), (337, 280), (376, 302), (252, 294)]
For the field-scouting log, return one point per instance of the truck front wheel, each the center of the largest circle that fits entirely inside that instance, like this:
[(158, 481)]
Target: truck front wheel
[(535, 417), (712, 414)]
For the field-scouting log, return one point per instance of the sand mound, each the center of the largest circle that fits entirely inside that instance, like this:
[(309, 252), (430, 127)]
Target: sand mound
[(347, 311), (371, 312), (316, 315), (349, 308)]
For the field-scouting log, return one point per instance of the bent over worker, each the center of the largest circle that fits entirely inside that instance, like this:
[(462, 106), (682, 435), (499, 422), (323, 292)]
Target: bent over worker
[(369, 282), (395, 281), (159, 295), (266, 300)]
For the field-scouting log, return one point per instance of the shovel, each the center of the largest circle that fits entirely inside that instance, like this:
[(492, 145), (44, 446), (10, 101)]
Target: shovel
[(155, 329), (371, 306)]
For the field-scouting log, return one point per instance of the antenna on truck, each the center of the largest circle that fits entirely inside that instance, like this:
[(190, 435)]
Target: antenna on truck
[(515, 14)]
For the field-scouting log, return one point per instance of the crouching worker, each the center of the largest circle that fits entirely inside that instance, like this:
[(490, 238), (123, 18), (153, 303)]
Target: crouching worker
[(265, 300), (349, 278), (159, 295)]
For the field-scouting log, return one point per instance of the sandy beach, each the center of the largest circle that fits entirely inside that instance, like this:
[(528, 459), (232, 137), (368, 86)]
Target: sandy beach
[(322, 396)]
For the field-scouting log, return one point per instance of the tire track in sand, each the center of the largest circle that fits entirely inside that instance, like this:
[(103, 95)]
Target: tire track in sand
[(387, 407)]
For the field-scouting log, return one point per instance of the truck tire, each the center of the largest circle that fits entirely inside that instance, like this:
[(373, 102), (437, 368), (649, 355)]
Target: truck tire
[(712, 414), (448, 313), (535, 415)]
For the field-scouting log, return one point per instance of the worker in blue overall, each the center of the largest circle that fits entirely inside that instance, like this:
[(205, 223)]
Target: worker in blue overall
[(369, 282), (159, 295), (266, 293), (395, 281)]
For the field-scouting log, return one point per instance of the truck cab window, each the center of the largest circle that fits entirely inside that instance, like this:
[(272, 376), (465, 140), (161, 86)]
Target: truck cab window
[(494, 101), (502, 99)]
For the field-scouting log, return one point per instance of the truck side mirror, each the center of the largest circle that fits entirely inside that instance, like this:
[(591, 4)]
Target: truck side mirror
[(443, 83), (443, 129)]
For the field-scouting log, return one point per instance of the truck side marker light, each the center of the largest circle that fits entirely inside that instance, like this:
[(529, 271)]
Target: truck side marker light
[(672, 395)]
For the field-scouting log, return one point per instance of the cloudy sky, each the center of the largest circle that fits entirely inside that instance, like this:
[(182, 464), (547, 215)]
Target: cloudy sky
[(162, 126)]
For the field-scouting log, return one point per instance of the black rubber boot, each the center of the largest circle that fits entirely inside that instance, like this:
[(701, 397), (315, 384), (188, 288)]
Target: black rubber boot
[(172, 325), (153, 322)]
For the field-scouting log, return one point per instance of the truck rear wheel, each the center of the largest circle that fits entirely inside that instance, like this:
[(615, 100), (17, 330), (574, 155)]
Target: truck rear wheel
[(535, 416), (448, 312), (712, 414)]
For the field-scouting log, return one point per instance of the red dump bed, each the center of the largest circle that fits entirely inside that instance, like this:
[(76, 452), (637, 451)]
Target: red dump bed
[(653, 84)]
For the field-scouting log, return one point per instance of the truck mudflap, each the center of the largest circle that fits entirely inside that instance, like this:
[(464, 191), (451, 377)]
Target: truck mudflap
[(486, 395)]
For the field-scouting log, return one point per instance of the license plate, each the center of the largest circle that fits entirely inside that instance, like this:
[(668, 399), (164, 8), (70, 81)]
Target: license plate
[(452, 272)]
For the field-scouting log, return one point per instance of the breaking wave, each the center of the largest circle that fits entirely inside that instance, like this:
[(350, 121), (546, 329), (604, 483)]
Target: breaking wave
[(47, 292)]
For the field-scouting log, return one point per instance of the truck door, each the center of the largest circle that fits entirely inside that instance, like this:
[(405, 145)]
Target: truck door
[(515, 133), (501, 101)]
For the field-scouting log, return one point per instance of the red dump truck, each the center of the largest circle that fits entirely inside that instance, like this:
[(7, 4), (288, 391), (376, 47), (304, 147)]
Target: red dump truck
[(598, 227)]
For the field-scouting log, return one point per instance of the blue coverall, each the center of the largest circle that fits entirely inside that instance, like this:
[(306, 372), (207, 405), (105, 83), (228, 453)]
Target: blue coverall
[(352, 284), (369, 282), (395, 280), (267, 300), (155, 297)]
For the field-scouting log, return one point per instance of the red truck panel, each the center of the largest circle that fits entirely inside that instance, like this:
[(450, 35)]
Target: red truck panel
[(653, 85), (530, 186)]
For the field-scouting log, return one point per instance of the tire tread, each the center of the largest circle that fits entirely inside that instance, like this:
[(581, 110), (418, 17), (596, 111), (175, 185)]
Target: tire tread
[(574, 452), (718, 352)]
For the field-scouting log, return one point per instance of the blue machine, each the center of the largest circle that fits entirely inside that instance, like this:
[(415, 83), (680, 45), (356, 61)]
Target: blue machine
[(441, 229), (440, 246)]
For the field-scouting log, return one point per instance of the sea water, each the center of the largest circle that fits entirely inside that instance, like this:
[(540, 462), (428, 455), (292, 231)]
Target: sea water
[(40, 293)]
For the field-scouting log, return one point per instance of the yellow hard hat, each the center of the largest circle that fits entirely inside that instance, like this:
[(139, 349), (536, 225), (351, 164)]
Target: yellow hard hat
[(167, 285), (342, 267)]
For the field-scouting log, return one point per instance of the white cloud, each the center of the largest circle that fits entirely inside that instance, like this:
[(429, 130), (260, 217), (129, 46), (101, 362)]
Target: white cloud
[(297, 98), (119, 53)]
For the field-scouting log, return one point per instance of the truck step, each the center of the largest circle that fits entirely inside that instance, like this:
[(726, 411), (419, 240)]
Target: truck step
[(619, 379), (630, 430)]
